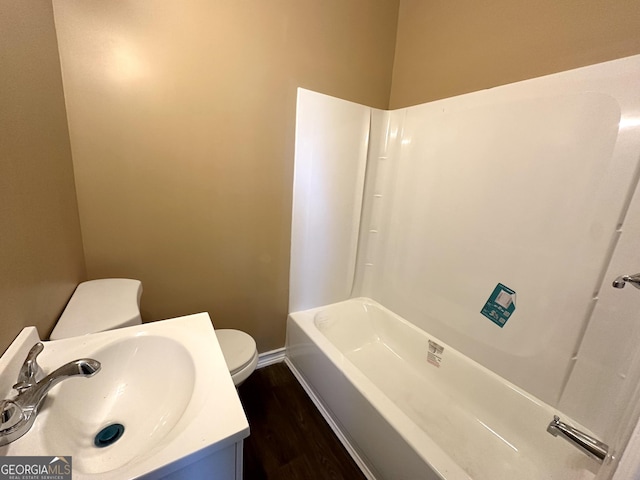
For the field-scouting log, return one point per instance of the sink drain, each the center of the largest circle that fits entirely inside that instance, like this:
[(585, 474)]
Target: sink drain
[(108, 435)]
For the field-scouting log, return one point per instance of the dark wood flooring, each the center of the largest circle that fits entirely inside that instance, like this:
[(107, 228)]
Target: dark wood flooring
[(289, 438)]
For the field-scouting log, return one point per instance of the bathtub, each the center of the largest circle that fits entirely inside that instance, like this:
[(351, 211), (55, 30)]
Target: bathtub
[(407, 406)]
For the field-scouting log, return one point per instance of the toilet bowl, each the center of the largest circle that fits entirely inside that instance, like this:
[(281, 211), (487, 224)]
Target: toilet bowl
[(110, 303), (240, 353)]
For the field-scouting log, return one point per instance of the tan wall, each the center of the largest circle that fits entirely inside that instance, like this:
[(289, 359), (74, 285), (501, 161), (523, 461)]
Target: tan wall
[(181, 118), (449, 48), (40, 244)]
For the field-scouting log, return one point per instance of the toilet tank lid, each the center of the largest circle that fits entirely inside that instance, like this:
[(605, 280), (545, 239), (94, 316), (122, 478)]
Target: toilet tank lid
[(99, 305)]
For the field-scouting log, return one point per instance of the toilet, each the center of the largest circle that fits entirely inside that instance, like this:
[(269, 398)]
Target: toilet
[(110, 303), (100, 305), (240, 353)]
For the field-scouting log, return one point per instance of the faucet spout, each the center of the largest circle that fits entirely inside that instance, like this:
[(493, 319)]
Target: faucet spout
[(622, 280), (589, 445), (84, 367), (18, 415)]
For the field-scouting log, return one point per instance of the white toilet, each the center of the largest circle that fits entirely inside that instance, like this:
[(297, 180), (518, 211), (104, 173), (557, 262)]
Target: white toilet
[(110, 303), (100, 305), (240, 353)]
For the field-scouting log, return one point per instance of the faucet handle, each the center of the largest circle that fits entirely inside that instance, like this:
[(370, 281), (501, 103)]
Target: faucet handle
[(30, 372)]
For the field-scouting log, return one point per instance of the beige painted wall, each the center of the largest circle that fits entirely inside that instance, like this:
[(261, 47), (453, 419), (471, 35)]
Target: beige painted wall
[(40, 244), (449, 48), (181, 118)]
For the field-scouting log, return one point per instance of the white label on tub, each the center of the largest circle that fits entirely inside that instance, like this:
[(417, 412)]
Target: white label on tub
[(434, 357)]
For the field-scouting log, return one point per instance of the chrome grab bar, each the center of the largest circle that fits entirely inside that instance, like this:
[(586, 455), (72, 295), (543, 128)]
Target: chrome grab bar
[(589, 445)]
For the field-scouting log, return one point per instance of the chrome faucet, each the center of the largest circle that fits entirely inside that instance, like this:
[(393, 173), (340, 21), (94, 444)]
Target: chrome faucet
[(589, 445), (622, 280), (18, 414)]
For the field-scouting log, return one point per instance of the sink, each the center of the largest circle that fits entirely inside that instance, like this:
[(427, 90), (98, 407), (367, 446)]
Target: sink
[(145, 385), (163, 399)]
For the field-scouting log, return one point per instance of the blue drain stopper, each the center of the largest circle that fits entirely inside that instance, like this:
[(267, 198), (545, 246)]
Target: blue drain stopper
[(109, 435)]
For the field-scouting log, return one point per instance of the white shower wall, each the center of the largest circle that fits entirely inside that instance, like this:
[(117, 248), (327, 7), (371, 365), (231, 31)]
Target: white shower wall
[(331, 155), (526, 185), (519, 185)]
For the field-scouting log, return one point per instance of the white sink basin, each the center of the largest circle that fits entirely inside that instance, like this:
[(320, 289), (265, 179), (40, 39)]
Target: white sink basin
[(165, 382), (145, 385)]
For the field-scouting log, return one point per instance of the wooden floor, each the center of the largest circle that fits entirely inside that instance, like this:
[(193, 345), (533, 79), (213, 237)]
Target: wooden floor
[(289, 438)]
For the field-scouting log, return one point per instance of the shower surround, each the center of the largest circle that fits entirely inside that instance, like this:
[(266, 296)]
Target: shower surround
[(514, 202)]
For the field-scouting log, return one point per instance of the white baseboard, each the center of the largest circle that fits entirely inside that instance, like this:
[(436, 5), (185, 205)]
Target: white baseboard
[(332, 423), (271, 357)]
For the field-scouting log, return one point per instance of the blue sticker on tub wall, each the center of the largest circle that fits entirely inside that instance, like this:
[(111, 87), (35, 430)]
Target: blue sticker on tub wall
[(500, 306)]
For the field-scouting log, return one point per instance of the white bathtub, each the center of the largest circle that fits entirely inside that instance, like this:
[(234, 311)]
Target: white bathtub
[(408, 415)]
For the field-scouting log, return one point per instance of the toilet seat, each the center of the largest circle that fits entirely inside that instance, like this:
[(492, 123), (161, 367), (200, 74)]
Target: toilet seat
[(240, 353)]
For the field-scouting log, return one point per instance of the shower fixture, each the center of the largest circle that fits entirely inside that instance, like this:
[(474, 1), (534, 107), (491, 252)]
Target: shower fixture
[(624, 279)]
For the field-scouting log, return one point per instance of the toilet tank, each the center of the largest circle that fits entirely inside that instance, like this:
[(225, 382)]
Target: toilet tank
[(99, 305)]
